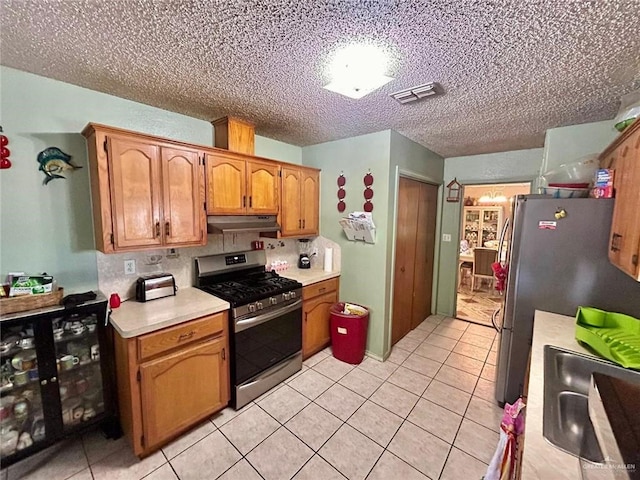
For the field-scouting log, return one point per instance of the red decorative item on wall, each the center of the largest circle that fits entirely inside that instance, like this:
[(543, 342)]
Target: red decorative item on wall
[(4, 152), (368, 192), (341, 193)]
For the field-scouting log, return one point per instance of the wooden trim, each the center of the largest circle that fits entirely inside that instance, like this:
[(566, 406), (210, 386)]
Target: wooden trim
[(628, 132), (99, 129), (100, 191)]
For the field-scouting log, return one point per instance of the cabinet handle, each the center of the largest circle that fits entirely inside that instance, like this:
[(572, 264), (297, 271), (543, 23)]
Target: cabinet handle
[(615, 245), (299, 223), (304, 222), (402, 269), (54, 379), (224, 355), (157, 229), (322, 289), (43, 382), (167, 229), (250, 200), (186, 336), (244, 200), (634, 260)]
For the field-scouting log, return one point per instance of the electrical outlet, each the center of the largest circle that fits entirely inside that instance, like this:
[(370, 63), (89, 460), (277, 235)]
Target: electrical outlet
[(446, 237), (129, 267)]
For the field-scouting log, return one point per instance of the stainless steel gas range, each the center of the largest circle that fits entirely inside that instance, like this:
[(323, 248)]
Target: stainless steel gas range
[(265, 320)]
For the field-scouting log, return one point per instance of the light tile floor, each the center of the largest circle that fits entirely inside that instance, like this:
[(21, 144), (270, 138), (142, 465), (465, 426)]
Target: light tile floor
[(426, 413)]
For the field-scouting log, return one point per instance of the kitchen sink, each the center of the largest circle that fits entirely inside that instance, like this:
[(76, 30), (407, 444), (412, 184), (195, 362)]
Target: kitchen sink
[(566, 423)]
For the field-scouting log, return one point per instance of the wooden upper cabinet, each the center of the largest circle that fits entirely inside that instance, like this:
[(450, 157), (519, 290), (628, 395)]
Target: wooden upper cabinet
[(300, 201), (226, 185), (146, 191), (310, 201), (183, 184), (239, 185), (624, 243), (262, 187), (234, 135), (291, 218), (135, 192)]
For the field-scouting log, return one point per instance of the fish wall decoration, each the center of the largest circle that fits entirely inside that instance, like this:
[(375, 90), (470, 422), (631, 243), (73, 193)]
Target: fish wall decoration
[(53, 162)]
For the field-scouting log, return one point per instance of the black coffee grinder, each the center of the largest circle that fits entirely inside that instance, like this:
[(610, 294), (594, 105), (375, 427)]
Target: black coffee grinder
[(304, 261)]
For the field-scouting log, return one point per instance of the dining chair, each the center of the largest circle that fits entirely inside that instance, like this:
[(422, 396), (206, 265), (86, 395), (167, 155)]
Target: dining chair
[(483, 258)]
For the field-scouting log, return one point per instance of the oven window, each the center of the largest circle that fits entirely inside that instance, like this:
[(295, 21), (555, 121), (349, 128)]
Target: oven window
[(262, 346)]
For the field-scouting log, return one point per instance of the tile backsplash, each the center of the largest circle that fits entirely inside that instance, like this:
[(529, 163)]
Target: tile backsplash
[(112, 279)]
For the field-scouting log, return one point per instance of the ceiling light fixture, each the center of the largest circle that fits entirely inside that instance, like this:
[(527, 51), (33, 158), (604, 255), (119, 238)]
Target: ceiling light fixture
[(358, 70), (415, 93)]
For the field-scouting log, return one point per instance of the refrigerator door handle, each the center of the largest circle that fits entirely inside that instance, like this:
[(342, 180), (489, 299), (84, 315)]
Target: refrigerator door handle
[(503, 233), (493, 319)]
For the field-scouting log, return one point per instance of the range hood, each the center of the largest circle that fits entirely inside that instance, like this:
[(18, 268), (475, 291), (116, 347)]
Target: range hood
[(242, 223)]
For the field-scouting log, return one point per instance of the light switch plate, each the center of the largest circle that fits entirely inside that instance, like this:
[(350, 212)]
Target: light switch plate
[(446, 237), (129, 267)]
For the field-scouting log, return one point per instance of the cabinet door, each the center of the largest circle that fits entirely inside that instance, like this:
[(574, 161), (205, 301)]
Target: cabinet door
[(316, 333), (180, 389), (226, 185), (183, 194), (291, 201), (134, 175), (625, 228), (310, 201), (262, 187)]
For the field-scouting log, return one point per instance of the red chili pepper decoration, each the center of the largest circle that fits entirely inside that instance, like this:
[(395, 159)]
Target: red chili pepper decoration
[(368, 192), (341, 193), (4, 152)]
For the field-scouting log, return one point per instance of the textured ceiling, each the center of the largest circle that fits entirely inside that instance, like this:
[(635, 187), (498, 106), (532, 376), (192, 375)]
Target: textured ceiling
[(509, 70)]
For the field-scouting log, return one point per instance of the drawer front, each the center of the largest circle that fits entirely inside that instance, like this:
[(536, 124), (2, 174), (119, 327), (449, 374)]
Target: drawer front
[(183, 334), (320, 288)]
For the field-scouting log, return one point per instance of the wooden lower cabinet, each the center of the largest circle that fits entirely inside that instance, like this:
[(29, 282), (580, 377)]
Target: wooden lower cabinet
[(164, 395), (317, 299)]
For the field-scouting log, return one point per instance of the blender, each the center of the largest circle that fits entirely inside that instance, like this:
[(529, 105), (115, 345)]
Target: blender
[(304, 260)]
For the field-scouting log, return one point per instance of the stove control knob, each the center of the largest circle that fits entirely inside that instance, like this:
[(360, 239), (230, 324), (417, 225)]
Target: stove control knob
[(273, 301), (252, 308), (293, 294), (259, 305), (286, 296)]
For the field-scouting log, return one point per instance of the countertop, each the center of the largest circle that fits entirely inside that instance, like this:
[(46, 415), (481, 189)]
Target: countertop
[(542, 460), (134, 318), (309, 276)]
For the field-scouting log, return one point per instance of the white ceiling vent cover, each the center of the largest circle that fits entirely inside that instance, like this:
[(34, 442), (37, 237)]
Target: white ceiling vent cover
[(415, 93)]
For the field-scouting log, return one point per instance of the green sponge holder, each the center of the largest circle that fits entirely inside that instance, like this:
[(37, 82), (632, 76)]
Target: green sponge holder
[(614, 336)]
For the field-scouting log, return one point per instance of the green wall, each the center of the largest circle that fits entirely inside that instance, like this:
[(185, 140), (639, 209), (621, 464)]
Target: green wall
[(514, 166), (49, 228), (569, 144), (363, 268), (367, 269)]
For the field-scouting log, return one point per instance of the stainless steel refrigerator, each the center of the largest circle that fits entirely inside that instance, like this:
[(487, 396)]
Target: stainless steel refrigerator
[(556, 265)]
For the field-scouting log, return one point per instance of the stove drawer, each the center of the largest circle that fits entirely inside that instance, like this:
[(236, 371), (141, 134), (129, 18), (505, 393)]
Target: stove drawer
[(320, 288), (169, 338)]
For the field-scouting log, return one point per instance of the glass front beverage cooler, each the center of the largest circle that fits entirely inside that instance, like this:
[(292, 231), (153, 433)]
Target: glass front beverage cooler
[(56, 376)]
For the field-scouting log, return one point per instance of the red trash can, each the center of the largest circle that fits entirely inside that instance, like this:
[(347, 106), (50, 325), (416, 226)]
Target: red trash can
[(348, 333)]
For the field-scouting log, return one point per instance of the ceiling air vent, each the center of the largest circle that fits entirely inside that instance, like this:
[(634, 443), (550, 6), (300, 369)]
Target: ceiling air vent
[(415, 93)]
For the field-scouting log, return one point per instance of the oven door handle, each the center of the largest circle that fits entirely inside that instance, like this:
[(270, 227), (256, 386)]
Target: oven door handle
[(241, 325)]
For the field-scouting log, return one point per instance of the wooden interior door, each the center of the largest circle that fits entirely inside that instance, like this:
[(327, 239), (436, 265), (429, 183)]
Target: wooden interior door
[(310, 202), (262, 187), (183, 196), (291, 201), (134, 176), (182, 388), (408, 197), (425, 248), (226, 185)]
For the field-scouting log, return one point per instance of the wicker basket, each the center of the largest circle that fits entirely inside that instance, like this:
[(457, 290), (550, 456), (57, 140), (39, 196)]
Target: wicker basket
[(30, 302)]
